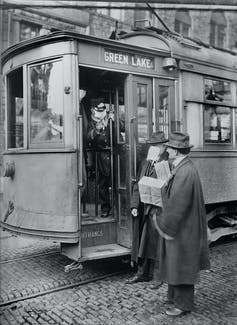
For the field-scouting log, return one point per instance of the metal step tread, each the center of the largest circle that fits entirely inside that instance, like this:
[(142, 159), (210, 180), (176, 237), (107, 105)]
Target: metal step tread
[(104, 251)]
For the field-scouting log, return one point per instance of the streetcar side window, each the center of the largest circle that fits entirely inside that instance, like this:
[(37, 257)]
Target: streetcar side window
[(217, 90), (15, 109), (46, 103), (217, 115), (217, 124)]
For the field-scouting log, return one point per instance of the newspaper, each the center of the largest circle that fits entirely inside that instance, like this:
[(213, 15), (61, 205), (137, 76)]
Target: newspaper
[(162, 169), (150, 188)]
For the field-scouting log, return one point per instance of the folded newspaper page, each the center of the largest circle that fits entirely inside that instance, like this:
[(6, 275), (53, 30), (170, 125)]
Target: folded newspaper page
[(162, 169), (150, 188)]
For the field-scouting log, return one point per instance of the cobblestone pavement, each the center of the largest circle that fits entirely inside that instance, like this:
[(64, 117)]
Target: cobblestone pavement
[(110, 301)]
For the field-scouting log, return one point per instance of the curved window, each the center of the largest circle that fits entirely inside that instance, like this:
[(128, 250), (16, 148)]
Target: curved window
[(182, 22), (217, 29), (46, 103), (15, 116)]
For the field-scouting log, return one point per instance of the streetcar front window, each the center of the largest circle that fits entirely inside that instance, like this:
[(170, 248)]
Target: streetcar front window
[(46, 103), (15, 109)]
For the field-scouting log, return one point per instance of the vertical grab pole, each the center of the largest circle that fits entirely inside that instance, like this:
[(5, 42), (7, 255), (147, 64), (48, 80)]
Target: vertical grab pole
[(96, 184), (134, 176), (80, 174), (111, 156)]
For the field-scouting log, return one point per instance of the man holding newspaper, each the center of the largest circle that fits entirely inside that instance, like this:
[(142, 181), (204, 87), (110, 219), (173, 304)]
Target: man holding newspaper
[(182, 227), (146, 201)]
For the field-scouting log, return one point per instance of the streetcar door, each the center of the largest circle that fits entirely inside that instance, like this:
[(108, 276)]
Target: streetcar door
[(141, 121), (151, 101), (122, 166)]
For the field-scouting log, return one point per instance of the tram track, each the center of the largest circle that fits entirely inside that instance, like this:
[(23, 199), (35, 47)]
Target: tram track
[(60, 288), (23, 258)]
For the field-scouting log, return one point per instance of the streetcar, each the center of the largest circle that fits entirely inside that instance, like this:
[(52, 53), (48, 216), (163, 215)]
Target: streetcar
[(148, 80)]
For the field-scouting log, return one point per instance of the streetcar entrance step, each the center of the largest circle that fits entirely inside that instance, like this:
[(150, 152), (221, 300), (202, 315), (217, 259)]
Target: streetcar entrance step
[(104, 251), (93, 252)]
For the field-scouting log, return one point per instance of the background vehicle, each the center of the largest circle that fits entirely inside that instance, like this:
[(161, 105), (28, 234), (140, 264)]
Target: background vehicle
[(150, 81)]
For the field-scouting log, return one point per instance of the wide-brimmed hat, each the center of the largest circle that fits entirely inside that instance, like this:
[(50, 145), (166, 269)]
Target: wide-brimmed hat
[(178, 140), (157, 137)]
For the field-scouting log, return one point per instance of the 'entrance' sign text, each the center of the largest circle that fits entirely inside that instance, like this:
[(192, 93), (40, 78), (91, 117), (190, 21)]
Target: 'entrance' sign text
[(133, 60)]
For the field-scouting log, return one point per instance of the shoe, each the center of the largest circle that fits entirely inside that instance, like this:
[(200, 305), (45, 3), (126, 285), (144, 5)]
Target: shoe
[(175, 312), (156, 285), (136, 279)]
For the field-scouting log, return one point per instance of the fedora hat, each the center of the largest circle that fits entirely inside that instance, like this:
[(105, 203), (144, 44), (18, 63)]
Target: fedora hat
[(178, 140), (157, 137)]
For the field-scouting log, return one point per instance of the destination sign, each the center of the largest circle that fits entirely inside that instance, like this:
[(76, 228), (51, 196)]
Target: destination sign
[(134, 60)]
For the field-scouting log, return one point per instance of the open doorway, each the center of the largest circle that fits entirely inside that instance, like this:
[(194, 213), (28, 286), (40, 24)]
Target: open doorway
[(104, 137)]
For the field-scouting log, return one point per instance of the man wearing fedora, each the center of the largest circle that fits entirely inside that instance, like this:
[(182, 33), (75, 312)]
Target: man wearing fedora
[(144, 236), (182, 227)]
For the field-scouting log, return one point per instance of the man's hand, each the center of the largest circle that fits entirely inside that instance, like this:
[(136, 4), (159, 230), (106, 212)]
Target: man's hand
[(134, 212)]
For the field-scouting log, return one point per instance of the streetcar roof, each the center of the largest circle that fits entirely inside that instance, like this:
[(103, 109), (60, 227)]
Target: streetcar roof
[(144, 40), (182, 48)]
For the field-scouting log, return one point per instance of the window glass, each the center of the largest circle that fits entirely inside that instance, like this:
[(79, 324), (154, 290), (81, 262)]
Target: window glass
[(182, 22), (142, 112), (46, 110), (217, 29), (15, 109), (103, 11), (121, 116), (217, 124), (163, 116), (218, 90), (28, 30)]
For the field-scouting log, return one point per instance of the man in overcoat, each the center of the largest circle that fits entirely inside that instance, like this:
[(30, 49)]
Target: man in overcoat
[(144, 236), (183, 228)]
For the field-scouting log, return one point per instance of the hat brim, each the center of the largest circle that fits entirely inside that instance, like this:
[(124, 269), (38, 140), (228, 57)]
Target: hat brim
[(178, 147), (156, 142)]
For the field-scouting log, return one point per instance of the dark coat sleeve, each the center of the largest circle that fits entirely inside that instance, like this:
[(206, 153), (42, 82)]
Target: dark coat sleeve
[(177, 199)]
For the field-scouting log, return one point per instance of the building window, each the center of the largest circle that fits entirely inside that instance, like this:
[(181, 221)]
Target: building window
[(217, 29), (142, 18), (28, 30), (182, 22), (117, 14)]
